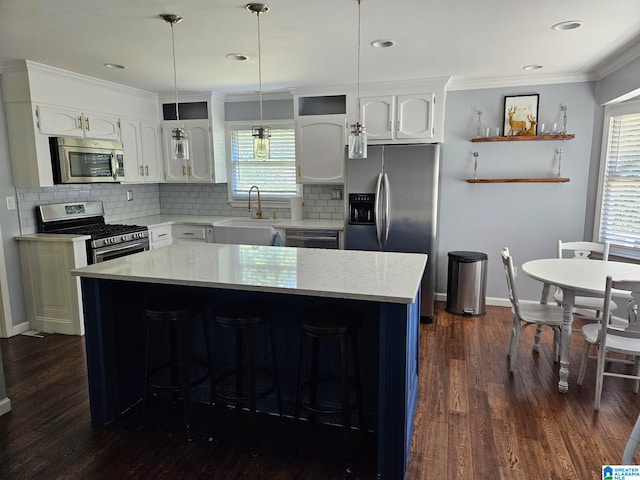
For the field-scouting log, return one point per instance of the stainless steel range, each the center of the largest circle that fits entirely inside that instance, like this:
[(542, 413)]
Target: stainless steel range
[(107, 241)]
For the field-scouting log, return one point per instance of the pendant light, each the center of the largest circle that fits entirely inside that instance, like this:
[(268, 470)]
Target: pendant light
[(358, 135), (261, 135), (179, 138)]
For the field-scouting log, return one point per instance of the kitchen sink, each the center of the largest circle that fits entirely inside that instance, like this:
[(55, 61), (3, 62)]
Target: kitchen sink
[(244, 231), (247, 222)]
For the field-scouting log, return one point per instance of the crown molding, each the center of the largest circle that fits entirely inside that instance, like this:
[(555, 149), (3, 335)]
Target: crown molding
[(619, 61), (30, 66), (515, 81)]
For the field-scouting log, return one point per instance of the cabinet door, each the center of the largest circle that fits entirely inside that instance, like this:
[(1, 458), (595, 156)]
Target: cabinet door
[(62, 122), (415, 116), (104, 127), (175, 170), (200, 163), (130, 131), (151, 144), (378, 116), (320, 151)]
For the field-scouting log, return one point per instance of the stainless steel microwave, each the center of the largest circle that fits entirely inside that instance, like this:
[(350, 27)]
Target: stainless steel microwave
[(81, 160)]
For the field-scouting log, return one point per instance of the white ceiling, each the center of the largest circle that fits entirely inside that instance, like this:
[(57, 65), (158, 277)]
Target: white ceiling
[(313, 43)]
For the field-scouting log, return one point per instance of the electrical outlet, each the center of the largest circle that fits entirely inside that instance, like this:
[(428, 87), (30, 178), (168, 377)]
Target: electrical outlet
[(129, 195), (11, 203)]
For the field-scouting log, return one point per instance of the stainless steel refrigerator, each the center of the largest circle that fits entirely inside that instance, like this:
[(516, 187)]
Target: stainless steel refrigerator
[(391, 204)]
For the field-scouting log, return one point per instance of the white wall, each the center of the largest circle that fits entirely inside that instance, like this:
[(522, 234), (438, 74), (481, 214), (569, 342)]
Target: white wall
[(10, 228), (527, 217)]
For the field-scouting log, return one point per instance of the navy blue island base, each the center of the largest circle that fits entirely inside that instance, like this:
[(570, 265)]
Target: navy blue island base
[(389, 336)]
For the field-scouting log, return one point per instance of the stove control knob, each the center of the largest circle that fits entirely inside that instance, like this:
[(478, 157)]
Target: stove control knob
[(123, 238)]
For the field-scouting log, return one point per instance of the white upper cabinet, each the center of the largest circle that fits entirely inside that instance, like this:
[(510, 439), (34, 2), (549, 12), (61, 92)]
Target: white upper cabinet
[(321, 135), (410, 111), (66, 122), (43, 102), (142, 144), (198, 167), (390, 118), (202, 116), (320, 148), (378, 115)]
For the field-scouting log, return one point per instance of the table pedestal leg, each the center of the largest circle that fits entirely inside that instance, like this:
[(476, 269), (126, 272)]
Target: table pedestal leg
[(568, 299)]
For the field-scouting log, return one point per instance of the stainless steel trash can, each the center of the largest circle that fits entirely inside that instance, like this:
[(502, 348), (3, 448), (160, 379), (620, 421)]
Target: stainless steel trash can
[(467, 283)]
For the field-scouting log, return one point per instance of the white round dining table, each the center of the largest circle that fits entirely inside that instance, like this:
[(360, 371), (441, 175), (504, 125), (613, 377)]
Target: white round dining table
[(583, 276)]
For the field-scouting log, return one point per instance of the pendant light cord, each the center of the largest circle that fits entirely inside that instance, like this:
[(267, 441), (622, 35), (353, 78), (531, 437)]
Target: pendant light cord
[(175, 76), (259, 68), (358, 63)]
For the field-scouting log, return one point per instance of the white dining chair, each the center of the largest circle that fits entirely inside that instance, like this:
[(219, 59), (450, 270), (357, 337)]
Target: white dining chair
[(527, 314), (609, 337), (632, 444), (584, 250)]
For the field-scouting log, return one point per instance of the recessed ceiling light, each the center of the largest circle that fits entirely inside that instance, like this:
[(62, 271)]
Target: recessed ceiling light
[(568, 25), (115, 66), (238, 57), (383, 43), (532, 67)]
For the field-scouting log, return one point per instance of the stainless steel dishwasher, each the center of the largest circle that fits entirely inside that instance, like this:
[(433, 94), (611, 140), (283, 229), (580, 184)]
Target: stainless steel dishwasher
[(310, 238)]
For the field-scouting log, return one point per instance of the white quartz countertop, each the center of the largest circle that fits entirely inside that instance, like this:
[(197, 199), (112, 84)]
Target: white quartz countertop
[(347, 274), (52, 237), (163, 219)]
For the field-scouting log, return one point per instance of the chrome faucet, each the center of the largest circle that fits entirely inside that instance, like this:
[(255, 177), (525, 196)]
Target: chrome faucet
[(259, 211)]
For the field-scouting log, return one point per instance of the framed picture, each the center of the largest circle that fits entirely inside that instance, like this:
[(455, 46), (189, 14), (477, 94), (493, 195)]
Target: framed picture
[(520, 115)]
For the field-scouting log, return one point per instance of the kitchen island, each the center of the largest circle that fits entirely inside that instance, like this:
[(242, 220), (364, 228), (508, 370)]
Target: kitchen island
[(384, 286)]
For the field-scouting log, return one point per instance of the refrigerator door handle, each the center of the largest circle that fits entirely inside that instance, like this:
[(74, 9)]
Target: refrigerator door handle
[(387, 209), (378, 212)]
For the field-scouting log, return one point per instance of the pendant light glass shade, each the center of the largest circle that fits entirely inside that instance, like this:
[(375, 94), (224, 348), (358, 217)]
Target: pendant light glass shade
[(261, 142), (358, 134), (358, 141), (180, 144), (179, 137), (261, 134)]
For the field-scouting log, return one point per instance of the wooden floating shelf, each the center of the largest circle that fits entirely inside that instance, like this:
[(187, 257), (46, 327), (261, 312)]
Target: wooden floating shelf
[(520, 180), (525, 138)]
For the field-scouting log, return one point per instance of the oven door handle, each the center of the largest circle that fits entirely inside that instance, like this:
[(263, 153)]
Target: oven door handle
[(128, 246)]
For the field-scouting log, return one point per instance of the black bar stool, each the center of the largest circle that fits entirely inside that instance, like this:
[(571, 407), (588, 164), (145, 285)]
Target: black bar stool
[(179, 373), (245, 381), (319, 327)]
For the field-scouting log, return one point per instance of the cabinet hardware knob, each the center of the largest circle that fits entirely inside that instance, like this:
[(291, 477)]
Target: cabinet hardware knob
[(79, 124), (147, 170), (184, 171), (86, 121), (141, 171)]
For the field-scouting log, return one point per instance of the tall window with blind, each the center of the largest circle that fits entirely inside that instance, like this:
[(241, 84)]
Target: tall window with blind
[(275, 176), (618, 215)]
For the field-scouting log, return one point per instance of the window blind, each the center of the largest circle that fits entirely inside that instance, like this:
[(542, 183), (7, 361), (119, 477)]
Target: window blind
[(276, 176), (619, 221)]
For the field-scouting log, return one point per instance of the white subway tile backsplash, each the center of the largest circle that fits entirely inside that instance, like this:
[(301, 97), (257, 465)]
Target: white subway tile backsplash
[(187, 199)]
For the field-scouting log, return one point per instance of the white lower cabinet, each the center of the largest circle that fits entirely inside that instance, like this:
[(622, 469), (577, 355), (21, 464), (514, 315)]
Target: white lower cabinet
[(53, 296), (193, 232), (160, 236)]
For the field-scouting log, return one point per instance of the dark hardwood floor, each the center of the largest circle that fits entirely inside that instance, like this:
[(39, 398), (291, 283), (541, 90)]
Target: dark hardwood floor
[(474, 420)]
